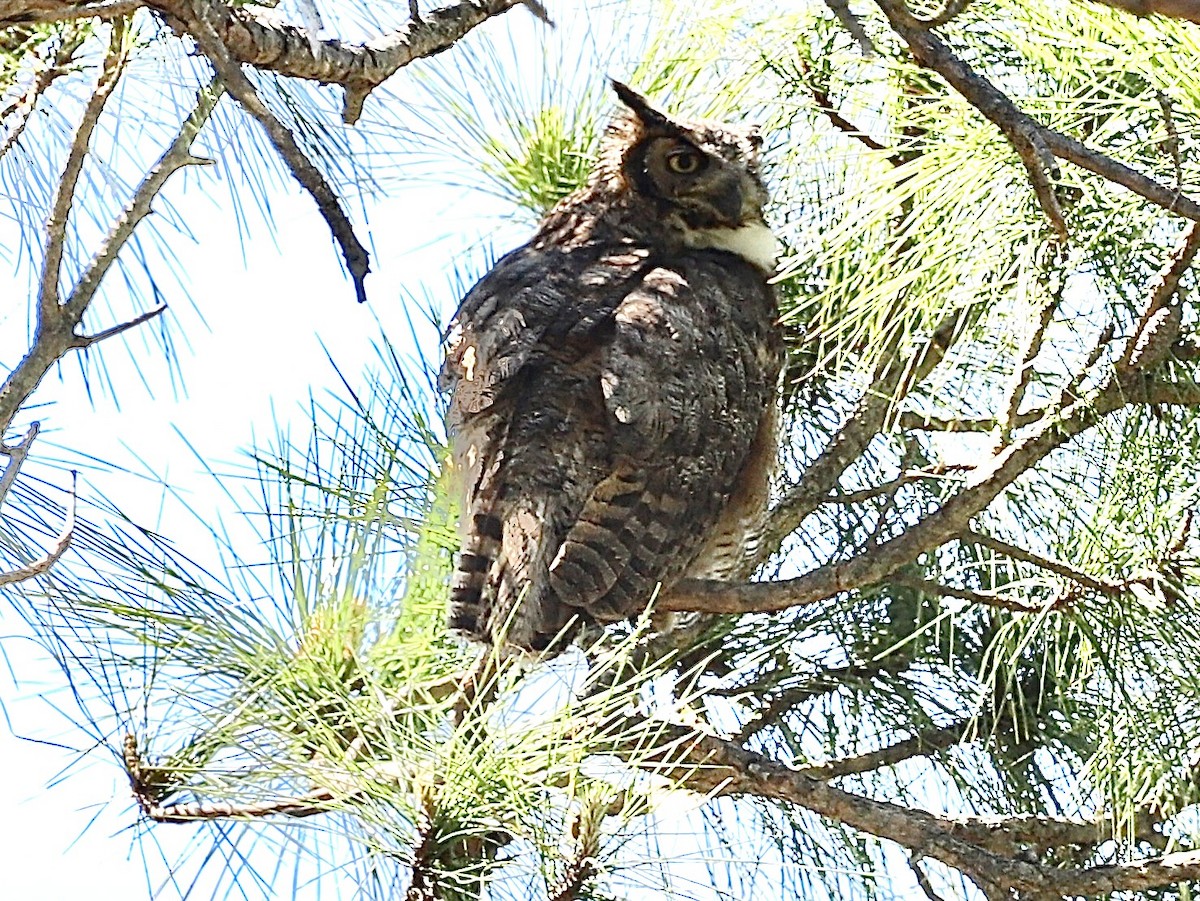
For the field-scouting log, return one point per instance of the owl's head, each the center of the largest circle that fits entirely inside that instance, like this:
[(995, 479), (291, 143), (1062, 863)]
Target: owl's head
[(701, 178)]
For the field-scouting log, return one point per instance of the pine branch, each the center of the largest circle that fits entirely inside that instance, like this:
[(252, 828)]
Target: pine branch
[(1034, 143)]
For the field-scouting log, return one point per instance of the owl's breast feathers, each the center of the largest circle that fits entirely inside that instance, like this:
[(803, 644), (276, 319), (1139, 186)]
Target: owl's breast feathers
[(608, 405)]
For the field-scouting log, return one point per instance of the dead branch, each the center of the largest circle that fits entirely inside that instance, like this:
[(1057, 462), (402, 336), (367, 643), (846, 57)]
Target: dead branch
[(198, 17), (927, 741), (84, 341), (57, 321), (43, 564)]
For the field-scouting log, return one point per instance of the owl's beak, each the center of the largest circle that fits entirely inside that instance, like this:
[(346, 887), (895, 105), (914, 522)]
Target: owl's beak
[(728, 198)]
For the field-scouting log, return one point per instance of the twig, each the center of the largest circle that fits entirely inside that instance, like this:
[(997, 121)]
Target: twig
[(83, 341), (999, 546), (199, 21), (42, 565), (1171, 142), (16, 454), (914, 864), (924, 742), (1024, 372), (24, 105), (852, 24), (840, 122), (64, 193), (892, 380), (892, 485), (986, 598)]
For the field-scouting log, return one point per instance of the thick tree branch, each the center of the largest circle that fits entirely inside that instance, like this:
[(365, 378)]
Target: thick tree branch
[(989, 852)]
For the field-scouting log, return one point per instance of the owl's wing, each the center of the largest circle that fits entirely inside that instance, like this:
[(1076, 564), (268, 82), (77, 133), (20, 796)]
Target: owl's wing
[(688, 376), (531, 304)]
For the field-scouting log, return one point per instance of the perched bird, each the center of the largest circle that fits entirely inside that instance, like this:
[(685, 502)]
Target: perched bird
[(613, 387)]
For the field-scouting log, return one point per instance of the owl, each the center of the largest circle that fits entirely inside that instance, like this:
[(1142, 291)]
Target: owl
[(613, 387)]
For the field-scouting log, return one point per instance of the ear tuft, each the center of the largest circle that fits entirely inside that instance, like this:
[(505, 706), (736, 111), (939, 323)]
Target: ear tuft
[(640, 105)]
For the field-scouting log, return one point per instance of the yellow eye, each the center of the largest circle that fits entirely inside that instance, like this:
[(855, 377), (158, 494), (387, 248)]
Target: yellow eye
[(685, 161)]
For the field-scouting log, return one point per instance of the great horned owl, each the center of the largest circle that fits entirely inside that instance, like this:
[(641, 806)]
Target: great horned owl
[(614, 387)]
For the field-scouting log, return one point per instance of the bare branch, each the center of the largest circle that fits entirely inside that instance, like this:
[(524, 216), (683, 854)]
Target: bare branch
[(88, 340), (1024, 372), (177, 156), (57, 322), (42, 565), (64, 193), (892, 485), (1003, 600), (199, 19), (999, 546), (914, 864), (924, 742), (16, 454)]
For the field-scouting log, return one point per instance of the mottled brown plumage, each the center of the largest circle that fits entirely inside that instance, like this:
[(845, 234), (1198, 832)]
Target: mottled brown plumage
[(613, 387)]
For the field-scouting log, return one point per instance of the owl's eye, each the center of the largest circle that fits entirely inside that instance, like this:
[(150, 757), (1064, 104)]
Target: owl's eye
[(685, 161)]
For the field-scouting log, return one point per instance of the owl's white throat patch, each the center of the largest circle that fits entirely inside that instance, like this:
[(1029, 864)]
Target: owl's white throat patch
[(755, 243)]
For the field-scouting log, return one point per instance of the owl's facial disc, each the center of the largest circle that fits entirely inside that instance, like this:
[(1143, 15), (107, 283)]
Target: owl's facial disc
[(706, 190)]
